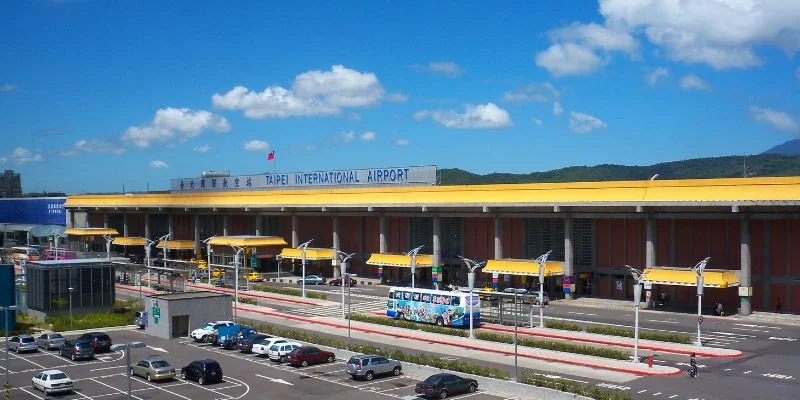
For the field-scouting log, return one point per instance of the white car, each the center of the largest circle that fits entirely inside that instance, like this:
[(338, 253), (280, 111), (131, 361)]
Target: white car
[(278, 351), (52, 381), (200, 334), (262, 346)]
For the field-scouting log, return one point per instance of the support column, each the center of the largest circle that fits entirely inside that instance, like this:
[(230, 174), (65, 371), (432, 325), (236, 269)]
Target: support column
[(498, 238), (125, 225), (70, 218), (382, 236), (147, 225), (105, 220), (336, 247), (295, 239), (569, 256), (649, 254), (259, 223), (197, 234), (746, 289), (224, 225), (437, 249)]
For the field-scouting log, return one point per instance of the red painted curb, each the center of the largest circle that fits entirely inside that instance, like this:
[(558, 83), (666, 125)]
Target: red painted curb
[(470, 347), (248, 293)]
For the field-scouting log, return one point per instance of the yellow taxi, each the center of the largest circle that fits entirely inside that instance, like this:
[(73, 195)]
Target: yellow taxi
[(254, 277), (216, 273)]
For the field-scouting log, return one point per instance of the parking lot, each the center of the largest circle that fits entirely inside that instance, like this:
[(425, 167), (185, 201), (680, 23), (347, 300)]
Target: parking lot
[(246, 376)]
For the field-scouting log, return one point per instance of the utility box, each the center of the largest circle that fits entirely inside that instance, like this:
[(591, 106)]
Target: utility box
[(175, 315), (7, 293)]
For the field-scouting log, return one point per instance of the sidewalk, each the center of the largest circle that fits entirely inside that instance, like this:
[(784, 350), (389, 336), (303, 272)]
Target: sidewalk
[(265, 295)]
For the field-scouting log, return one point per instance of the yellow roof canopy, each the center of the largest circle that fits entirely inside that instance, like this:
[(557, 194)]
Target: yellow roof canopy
[(129, 241), (312, 254), (685, 277), (177, 244), (248, 241), (91, 231), (399, 260), (508, 266)]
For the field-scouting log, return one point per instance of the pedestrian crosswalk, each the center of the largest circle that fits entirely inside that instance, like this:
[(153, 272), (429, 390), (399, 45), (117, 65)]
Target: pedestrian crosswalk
[(364, 307)]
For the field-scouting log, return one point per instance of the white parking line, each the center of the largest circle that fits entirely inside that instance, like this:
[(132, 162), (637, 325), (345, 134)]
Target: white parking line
[(159, 388), (389, 390), (380, 381), (61, 358), (25, 359), (83, 395), (112, 388), (101, 369), (31, 393)]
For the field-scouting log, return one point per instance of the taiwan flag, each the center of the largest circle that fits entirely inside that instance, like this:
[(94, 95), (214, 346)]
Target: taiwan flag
[(271, 155)]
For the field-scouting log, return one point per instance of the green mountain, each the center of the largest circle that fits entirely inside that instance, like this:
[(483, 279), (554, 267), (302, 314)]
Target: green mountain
[(715, 167)]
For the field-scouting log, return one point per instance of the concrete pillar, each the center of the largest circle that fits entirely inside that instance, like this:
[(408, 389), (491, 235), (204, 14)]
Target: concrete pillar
[(746, 289), (147, 226), (498, 237), (437, 248), (197, 234), (295, 227), (650, 245), (382, 236), (70, 218), (336, 247), (105, 220), (225, 225), (259, 223), (125, 225), (569, 256)]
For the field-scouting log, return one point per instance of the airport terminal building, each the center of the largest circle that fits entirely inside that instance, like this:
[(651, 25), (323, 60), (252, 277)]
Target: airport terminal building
[(749, 227)]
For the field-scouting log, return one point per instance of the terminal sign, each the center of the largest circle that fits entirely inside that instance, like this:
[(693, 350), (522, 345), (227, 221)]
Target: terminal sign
[(394, 176), (156, 313)]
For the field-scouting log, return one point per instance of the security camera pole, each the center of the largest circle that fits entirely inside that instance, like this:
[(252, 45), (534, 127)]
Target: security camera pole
[(699, 269), (541, 260), (413, 255), (638, 277), (472, 266), (126, 347), (343, 264)]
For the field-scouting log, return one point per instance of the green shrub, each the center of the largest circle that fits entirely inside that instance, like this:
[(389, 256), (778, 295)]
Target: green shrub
[(120, 317), (564, 385), (624, 332), (248, 300), (289, 292), (564, 326), (555, 345), (398, 323)]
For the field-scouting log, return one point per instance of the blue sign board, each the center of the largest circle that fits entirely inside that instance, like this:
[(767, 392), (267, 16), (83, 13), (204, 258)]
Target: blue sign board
[(35, 211)]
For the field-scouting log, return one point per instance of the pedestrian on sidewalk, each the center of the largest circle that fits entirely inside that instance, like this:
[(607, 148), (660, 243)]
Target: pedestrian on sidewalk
[(778, 306), (719, 309)]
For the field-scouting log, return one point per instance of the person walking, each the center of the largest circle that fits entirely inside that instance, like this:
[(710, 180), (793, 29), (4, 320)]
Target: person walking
[(693, 366), (778, 306)]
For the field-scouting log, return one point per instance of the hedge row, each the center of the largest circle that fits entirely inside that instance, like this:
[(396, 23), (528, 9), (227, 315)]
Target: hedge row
[(248, 300), (564, 326), (398, 323), (564, 385), (289, 292), (624, 332)]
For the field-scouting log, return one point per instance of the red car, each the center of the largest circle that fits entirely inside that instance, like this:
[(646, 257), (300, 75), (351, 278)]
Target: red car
[(305, 355), (338, 282)]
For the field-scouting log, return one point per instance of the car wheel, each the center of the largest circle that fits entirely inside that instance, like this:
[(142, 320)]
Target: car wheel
[(304, 363), (396, 371), (331, 359), (201, 381), (73, 357), (282, 359), (131, 372), (440, 321), (472, 388), (369, 375), (149, 378), (443, 394)]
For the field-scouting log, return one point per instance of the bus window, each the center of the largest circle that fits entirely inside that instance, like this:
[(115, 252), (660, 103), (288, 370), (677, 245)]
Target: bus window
[(456, 301), (407, 295), (426, 298), (416, 296)]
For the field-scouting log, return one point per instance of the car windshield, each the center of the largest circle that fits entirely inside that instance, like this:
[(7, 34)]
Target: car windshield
[(160, 364), (274, 347), (353, 360), (83, 344), (28, 340), (58, 376), (432, 380), (103, 337), (56, 336)]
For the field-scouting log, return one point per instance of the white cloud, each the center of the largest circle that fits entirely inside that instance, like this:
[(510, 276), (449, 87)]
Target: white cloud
[(569, 59), (354, 116), (596, 37), (397, 97), (693, 82), (7, 87), (3, 160), (584, 123), (158, 164), (202, 149), (21, 155), (448, 68), (536, 92), (719, 33), (170, 123), (256, 145), (348, 136), (557, 109), (368, 136), (652, 76), (777, 119), (313, 93), (93, 146), (401, 142), (537, 121), (481, 116)]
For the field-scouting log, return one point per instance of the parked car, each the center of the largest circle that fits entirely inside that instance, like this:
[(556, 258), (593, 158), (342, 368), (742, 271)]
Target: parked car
[(22, 343), (535, 298), (52, 381), (153, 368), (50, 341), (76, 349), (100, 341), (262, 347), (279, 351), (305, 355), (136, 259), (246, 345), (201, 334), (202, 371), (140, 319), (443, 385), (338, 282), (312, 280), (369, 365), (254, 277), (532, 292), (227, 335)]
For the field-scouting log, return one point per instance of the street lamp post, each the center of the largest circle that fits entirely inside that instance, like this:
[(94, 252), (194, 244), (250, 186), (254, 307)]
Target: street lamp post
[(413, 254), (108, 239), (699, 269), (515, 337), (127, 348), (472, 266), (349, 316), (343, 264), (303, 248), (6, 310), (237, 258), (71, 289), (638, 277), (208, 257), (148, 260), (541, 260)]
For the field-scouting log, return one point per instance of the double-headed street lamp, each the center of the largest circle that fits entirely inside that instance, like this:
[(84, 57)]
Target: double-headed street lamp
[(699, 269), (127, 348), (343, 264), (638, 277), (413, 254), (207, 242), (472, 266), (6, 309), (541, 260), (303, 248)]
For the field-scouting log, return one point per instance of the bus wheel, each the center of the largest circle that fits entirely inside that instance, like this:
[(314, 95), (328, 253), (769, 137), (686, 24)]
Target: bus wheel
[(440, 321)]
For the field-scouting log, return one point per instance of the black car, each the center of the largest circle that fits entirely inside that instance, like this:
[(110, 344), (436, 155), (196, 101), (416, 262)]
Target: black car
[(246, 344), (76, 349), (202, 371), (443, 385), (100, 341)]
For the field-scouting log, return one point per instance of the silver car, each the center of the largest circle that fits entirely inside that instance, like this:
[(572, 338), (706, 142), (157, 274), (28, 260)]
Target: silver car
[(367, 366), (50, 341), (22, 343)]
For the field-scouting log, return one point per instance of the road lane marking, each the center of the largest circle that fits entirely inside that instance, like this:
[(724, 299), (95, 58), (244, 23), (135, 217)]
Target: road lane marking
[(582, 313), (786, 339), (656, 394), (104, 368), (757, 326), (275, 380), (751, 330), (673, 396), (747, 372), (662, 321), (641, 391)]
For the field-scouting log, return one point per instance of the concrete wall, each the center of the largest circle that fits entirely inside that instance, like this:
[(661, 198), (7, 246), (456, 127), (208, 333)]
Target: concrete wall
[(200, 310)]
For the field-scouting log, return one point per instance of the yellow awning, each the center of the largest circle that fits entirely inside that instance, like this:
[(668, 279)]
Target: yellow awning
[(248, 241), (312, 254), (509, 266), (176, 244), (91, 231), (128, 241), (399, 260), (685, 277)]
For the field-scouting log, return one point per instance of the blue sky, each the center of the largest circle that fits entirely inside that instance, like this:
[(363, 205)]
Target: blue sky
[(97, 94)]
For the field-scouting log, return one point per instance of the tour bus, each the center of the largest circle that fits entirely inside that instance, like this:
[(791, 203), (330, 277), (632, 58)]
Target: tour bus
[(432, 306)]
